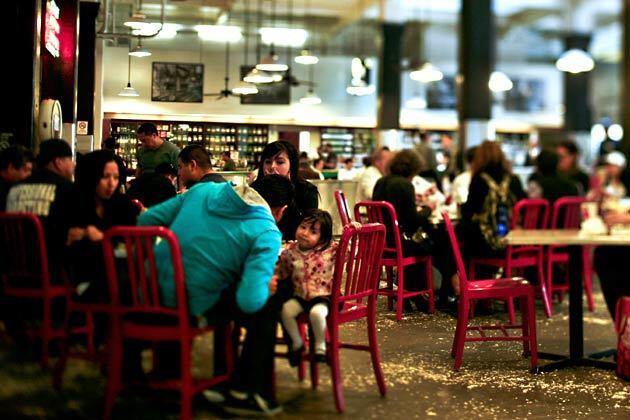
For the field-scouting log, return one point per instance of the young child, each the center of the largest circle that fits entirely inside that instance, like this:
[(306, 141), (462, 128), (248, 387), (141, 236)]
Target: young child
[(309, 263)]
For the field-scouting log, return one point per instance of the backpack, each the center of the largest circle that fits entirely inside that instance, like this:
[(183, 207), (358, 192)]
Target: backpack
[(496, 213), (622, 326)]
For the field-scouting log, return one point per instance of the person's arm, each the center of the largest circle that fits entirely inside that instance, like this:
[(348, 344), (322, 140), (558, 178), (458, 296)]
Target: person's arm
[(162, 214), (253, 289), (517, 188), (173, 155), (367, 180), (476, 195), (404, 201)]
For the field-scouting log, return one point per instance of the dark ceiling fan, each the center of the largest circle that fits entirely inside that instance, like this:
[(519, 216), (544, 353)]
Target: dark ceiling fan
[(226, 92)]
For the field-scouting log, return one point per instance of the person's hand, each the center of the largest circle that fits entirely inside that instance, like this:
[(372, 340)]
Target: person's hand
[(93, 233), (273, 284), (355, 225), (613, 218), (75, 234)]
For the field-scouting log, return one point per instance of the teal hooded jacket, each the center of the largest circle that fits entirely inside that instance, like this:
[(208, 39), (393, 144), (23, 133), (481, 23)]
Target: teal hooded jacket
[(227, 237)]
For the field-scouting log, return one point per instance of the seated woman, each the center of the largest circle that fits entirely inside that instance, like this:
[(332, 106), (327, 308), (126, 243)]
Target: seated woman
[(101, 206), (418, 236), (281, 158), (487, 212)]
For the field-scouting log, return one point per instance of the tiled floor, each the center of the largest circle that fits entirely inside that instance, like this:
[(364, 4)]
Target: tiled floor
[(493, 383)]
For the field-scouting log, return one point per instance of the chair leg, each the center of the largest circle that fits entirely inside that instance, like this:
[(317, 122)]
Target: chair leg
[(460, 331), (400, 291), (510, 310), (374, 353), (588, 279), (46, 332), (89, 333), (335, 368), (549, 280), (114, 371), (428, 266), (525, 325), (313, 362), (301, 366), (531, 318), (60, 365), (543, 288), (390, 285), (186, 380)]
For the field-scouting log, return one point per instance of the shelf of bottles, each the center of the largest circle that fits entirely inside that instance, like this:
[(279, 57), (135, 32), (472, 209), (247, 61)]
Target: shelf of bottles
[(247, 140), (350, 143)]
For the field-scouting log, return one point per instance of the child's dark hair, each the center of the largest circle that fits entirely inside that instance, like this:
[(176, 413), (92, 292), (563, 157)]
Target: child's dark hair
[(325, 225)]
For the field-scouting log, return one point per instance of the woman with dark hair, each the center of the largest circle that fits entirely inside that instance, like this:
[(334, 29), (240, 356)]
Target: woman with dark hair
[(101, 206), (281, 158), (418, 236), (487, 213)]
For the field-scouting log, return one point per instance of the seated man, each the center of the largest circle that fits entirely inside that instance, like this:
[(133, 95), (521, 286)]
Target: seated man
[(229, 254), (194, 165), (16, 164)]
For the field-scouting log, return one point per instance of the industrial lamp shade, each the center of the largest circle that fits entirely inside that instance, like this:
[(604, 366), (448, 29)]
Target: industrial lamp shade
[(256, 76), (244, 88), (575, 61), (306, 58), (310, 98), (499, 82), (426, 73), (128, 91), (271, 62), (140, 51)]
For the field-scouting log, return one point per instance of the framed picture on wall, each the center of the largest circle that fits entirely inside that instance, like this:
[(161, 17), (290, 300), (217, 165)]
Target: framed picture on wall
[(177, 82)]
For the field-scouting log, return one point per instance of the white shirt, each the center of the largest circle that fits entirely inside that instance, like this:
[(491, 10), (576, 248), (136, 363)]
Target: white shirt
[(366, 181), (460, 187), (346, 174)]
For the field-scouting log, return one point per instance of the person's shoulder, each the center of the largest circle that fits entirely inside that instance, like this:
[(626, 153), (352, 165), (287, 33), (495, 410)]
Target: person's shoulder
[(303, 186)]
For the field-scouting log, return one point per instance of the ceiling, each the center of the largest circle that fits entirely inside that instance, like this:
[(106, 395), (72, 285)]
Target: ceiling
[(335, 24)]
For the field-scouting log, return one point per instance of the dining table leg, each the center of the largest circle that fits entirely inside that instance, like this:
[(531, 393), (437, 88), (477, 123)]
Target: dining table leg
[(576, 322)]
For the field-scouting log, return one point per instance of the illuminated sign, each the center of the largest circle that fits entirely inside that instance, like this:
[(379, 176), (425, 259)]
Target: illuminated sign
[(52, 28)]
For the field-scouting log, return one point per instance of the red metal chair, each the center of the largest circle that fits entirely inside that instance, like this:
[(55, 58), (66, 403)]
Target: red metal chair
[(25, 273), (567, 214), (383, 212), (138, 205), (527, 214), (355, 281), (504, 288), (342, 206), (144, 318)]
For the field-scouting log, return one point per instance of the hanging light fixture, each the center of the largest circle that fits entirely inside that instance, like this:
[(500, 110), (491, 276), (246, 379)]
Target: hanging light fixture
[(426, 73), (305, 57), (272, 62), (244, 88), (128, 90), (311, 97), (499, 82), (139, 50), (359, 66), (575, 61), (137, 20)]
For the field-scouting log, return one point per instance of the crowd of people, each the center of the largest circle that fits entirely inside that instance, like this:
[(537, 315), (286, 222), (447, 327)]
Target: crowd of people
[(230, 252)]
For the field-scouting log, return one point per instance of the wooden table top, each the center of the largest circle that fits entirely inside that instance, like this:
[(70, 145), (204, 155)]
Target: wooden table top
[(563, 237)]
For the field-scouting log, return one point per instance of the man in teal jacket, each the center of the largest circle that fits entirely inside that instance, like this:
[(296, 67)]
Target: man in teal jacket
[(229, 243)]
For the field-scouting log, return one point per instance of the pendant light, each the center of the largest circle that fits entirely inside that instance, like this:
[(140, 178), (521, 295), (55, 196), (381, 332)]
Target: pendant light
[(311, 97), (425, 72), (128, 90), (139, 50), (245, 87), (305, 57), (255, 75), (359, 69), (272, 61), (575, 61), (137, 20), (499, 82)]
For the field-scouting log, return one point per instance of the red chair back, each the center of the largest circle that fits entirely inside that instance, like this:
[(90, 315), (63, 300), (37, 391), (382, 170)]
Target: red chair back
[(530, 213), (342, 206), (138, 205), (141, 283), (358, 263), (384, 213), (459, 261), (567, 213), (23, 252)]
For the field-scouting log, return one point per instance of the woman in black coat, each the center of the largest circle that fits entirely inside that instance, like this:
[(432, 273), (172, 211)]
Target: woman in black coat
[(281, 157), (101, 206)]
